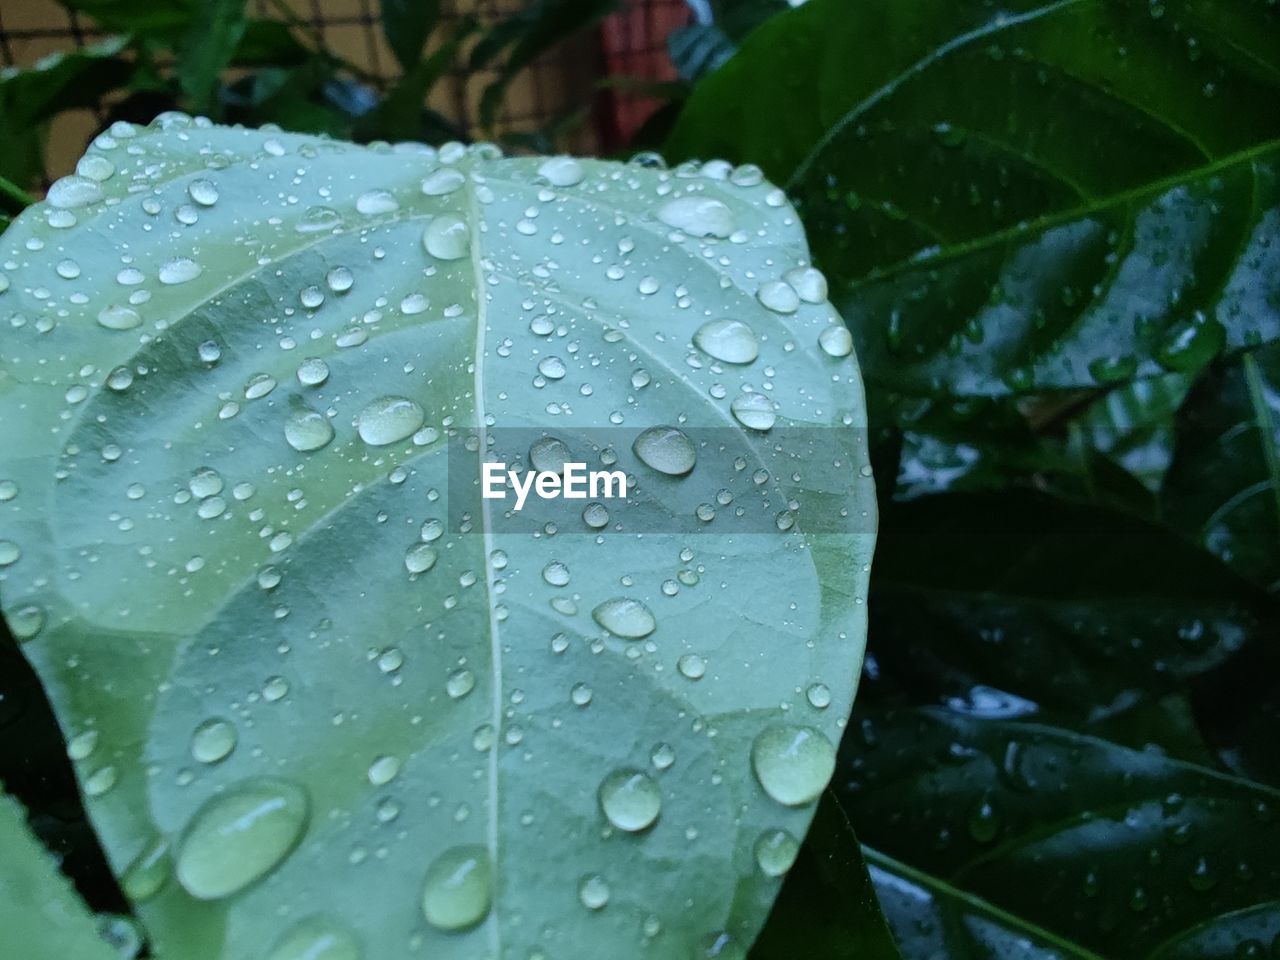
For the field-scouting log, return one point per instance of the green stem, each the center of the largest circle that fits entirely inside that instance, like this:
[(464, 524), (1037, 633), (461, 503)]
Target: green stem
[(14, 197)]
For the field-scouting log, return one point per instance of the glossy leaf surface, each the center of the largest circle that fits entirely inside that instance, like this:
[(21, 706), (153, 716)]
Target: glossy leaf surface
[(1048, 195), (316, 689), (1115, 852)]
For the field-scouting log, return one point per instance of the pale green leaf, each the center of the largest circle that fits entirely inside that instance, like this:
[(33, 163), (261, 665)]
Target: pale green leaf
[(41, 916), (295, 703)]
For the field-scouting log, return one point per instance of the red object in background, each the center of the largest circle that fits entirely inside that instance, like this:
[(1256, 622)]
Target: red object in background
[(634, 44)]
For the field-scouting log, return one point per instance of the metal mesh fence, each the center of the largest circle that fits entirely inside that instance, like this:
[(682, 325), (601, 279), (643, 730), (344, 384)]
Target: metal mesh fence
[(561, 84)]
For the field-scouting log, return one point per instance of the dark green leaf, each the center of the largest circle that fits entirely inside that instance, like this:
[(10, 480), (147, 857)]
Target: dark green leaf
[(407, 24), (1224, 486), (698, 49), (304, 98), (167, 20), (933, 919), (967, 445), (13, 199), (1243, 935), (1238, 709), (720, 28), (214, 37), (29, 98), (526, 35), (402, 114), (40, 914), (1079, 609), (269, 42), (1115, 850), (827, 901), (1044, 195), (1133, 426)]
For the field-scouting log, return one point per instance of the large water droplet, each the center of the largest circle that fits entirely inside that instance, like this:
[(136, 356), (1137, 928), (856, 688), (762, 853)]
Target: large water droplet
[(698, 216), (556, 573), (626, 618), (179, 270), (212, 741), (666, 449), (147, 873), (754, 410), (549, 454), (203, 192), (443, 181), (836, 340), (809, 284), (593, 892), (630, 800), (730, 341), (240, 836), (389, 419), (793, 763), (95, 167), (307, 431), (312, 372), (316, 938), (595, 515), (779, 296), (447, 237), (420, 558), (375, 202), (775, 852), (340, 279), (460, 683), (553, 368), (458, 889), (383, 770), (71, 192), (692, 666), (117, 317), (205, 482), (562, 171)]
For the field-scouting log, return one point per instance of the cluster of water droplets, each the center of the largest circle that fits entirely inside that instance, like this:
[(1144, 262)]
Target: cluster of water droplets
[(321, 416)]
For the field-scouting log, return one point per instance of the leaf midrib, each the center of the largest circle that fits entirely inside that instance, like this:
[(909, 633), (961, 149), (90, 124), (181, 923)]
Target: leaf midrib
[(1048, 221), (975, 903), (486, 526), (1266, 428), (995, 25)]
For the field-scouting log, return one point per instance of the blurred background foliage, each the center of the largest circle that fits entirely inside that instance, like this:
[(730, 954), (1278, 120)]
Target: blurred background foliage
[(1054, 229)]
